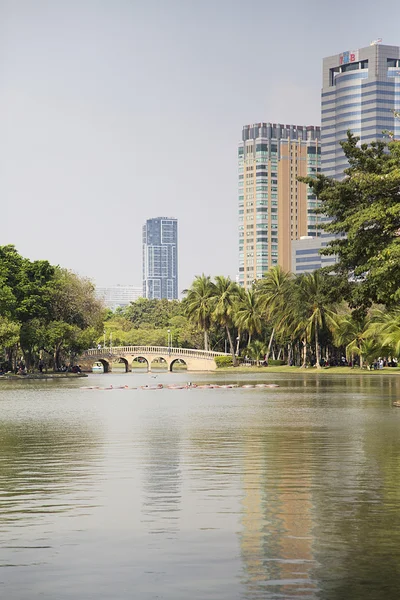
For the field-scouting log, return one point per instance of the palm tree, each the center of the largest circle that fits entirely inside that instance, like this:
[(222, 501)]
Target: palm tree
[(272, 290), (247, 315), (388, 324), (314, 307), (359, 334), (256, 351), (224, 296), (198, 304)]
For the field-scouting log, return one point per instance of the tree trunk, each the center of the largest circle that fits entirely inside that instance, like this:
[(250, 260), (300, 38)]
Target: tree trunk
[(289, 354), (237, 343), (317, 363), (234, 361), (304, 342), (270, 344), (249, 340), (205, 339), (361, 361)]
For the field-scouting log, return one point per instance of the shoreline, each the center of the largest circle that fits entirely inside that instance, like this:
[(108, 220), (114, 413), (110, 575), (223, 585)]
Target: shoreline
[(12, 377), (310, 370)]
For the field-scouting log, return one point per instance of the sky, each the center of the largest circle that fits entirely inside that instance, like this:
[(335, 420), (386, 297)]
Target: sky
[(115, 111)]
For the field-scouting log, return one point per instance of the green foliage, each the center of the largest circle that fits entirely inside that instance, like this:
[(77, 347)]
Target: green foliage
[(276, 363), (154, 312), (365, 206), (44, 310), (223, 361), (247, 313), (198, 304), (257, 350)]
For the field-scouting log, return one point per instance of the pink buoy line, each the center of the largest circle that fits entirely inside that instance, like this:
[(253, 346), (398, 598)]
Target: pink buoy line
[(187, 386)]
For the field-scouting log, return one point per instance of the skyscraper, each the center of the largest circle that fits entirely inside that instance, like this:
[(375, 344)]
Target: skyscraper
[(160, 258), (359, 91), (274, 208)]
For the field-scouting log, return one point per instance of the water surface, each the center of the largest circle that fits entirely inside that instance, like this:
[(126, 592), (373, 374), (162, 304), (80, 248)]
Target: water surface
[(292, 492)]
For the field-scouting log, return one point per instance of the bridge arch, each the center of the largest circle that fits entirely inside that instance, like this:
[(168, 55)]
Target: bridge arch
[(141, 362), (105, 363), (177, 361), (158, 363), (121, 359)]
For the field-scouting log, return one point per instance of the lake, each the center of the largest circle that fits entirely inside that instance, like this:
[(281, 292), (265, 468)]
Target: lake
[(199, 494)]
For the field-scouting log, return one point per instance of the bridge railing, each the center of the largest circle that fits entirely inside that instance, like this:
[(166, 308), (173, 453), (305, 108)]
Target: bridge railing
[(160, 350)]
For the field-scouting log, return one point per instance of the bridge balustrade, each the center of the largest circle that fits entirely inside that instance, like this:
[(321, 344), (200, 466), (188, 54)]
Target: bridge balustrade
[(119, 350)]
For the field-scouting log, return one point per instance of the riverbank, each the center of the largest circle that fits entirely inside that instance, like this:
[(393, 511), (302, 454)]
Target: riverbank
[(10, 376), (311, 370)]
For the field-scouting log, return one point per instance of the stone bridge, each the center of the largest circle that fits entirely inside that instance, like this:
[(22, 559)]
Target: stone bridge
[(195, 360)]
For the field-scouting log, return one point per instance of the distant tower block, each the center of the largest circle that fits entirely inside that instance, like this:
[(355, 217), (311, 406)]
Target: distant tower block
[(160, 258)]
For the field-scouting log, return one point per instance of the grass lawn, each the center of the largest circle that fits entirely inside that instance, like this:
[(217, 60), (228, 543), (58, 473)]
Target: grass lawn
[(330, 370)]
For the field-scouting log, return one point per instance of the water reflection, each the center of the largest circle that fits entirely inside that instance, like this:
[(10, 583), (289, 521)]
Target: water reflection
[(40, 464), (162, 478), (277, 521), (282, 493)]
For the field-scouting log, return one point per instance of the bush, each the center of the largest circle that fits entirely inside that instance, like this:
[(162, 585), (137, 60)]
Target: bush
[(276, 363), (223, 361)]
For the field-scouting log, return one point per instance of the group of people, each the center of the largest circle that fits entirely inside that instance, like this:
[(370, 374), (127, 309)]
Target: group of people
[(22, 370)]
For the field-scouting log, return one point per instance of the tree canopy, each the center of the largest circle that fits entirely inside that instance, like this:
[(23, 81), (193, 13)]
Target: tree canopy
[(45, 312), (364, 212)]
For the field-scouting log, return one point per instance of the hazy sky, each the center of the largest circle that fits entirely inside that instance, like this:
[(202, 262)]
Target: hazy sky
[(114, 111)]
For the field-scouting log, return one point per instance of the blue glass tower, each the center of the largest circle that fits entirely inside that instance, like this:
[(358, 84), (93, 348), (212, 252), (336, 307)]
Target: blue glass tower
[(360, 90), (160, 258)]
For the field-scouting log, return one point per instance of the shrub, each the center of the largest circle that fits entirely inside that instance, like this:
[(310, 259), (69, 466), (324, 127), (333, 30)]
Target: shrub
[(276, 363), (223, 361)]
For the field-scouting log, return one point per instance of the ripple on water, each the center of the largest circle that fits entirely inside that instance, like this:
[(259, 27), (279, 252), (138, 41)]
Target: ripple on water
[(240, 494)]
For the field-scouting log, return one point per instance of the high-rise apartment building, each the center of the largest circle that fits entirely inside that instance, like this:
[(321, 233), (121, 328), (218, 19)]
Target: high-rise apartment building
[(360, 90), (160, 258), (274, 208)]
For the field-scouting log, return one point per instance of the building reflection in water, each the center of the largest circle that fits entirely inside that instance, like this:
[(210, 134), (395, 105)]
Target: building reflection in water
[(162, 479), (276, 538)]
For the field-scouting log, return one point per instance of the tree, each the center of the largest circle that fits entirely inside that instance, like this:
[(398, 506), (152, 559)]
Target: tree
[(198, 304), (314, 307), (247, 314), (386, 327), (257, 351), (273, 291), (352, 331), (9, 339), (224, 296), (153, 311), (364, 211)]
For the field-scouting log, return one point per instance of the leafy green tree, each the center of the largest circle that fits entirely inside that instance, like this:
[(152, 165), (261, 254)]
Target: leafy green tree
[(9, 339), (364, 211), (156, 312)]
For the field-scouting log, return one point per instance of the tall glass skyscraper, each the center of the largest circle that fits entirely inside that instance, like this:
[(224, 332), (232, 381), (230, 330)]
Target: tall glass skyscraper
[(274, 207), (360, 90), (160, 258)]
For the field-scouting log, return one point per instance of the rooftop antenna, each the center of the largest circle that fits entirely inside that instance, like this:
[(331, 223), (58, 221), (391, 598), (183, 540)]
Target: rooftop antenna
[(375, 42)]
